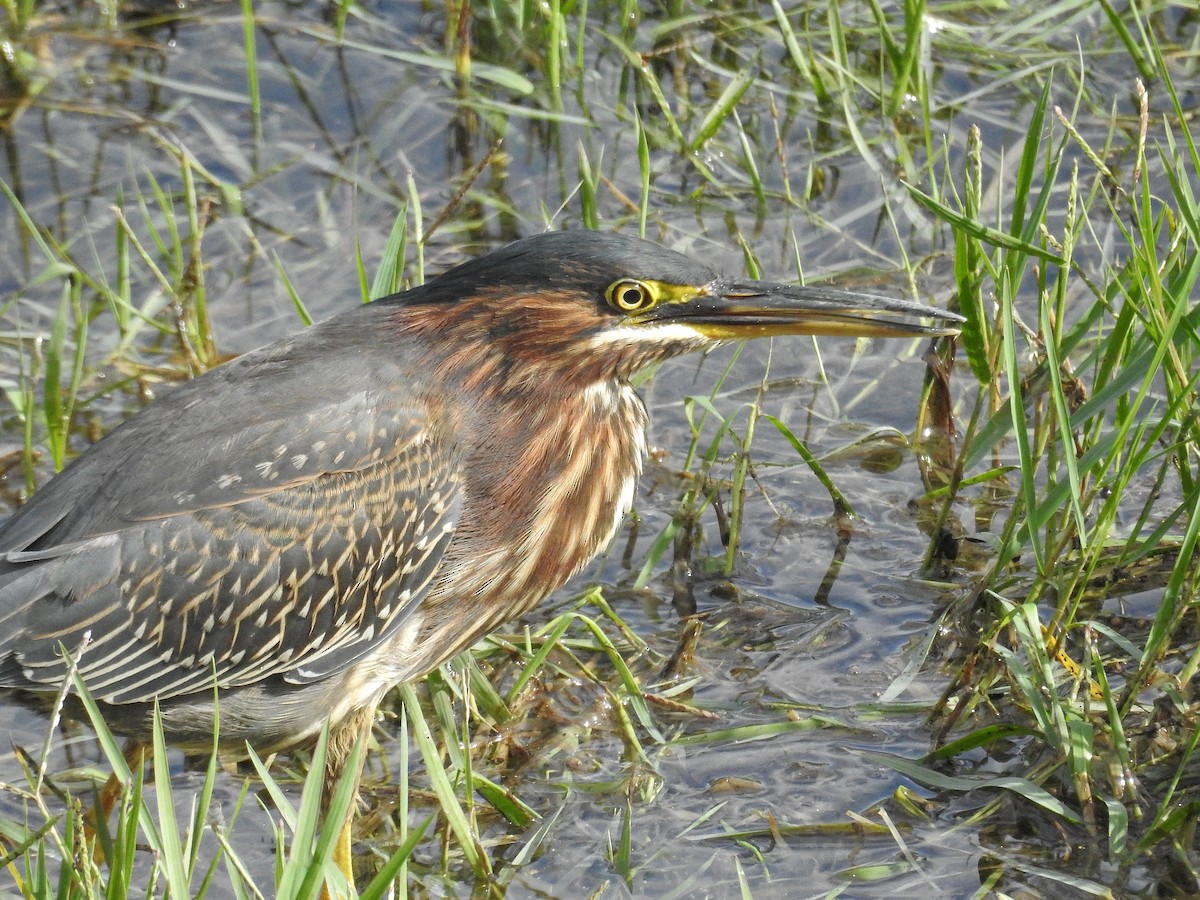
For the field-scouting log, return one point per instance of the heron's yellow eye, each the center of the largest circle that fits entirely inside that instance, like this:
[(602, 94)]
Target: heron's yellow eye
[(629, 296)]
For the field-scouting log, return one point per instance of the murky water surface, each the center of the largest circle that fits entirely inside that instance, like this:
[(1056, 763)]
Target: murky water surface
[(811, 620)]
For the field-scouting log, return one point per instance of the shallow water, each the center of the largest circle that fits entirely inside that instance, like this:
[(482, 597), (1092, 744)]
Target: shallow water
[(348, 134)]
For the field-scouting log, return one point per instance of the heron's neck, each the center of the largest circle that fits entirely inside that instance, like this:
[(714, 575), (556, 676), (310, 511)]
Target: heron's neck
[(540, 515)]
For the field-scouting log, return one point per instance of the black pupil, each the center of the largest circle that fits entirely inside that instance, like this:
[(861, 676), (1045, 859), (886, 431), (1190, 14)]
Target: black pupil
[(631, 296)]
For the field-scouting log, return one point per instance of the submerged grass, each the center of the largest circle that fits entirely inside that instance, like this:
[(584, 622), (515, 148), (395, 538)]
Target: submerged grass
[(1072, 489)]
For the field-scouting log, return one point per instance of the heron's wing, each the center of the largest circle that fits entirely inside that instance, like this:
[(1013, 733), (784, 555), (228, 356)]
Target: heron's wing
[(251, 427), (251, 524)]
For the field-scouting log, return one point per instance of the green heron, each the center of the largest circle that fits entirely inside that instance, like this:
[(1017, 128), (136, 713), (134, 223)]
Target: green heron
[(343, 510)]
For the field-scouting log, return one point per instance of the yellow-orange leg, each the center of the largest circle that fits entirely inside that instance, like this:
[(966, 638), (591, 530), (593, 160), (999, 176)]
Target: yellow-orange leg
[(342, 857), (136, 753), (344, 736)]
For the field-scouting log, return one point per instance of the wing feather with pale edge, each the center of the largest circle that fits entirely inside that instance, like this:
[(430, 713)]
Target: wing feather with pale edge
[(251, 523)]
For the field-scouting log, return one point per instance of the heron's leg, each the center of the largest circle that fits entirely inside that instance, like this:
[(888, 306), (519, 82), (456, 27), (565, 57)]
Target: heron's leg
[(136, 754), (344, 737)]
